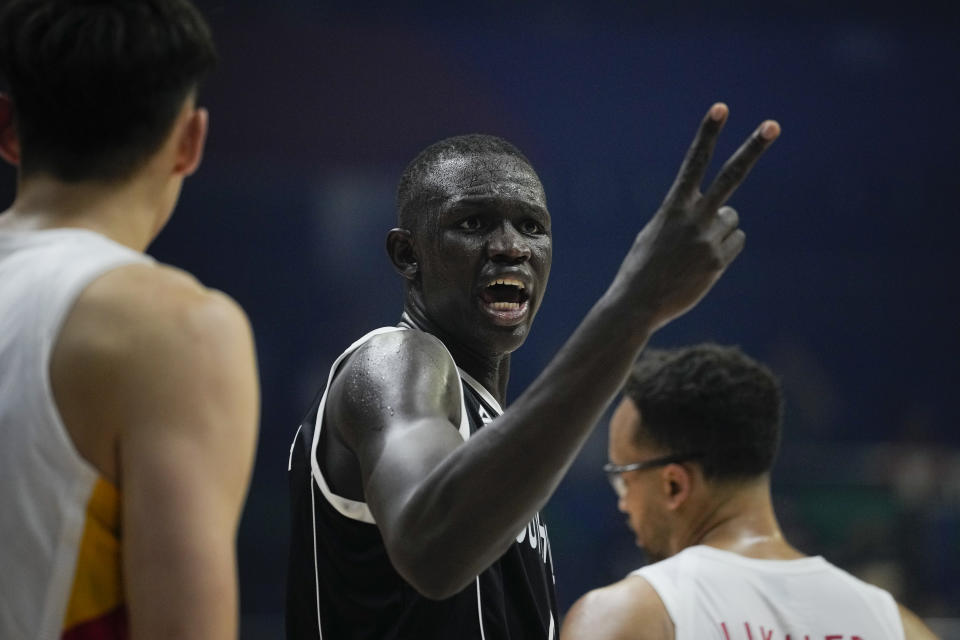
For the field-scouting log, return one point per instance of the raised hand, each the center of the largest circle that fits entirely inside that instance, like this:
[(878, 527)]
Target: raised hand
[(693, 237)]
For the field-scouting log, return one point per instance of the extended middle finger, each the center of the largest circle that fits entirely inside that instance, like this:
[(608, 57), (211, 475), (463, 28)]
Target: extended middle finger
[(738, 166)]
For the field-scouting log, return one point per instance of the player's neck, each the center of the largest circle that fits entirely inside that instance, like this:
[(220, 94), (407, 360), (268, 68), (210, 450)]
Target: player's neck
[(742, 522), (130, 212), (491, 372)]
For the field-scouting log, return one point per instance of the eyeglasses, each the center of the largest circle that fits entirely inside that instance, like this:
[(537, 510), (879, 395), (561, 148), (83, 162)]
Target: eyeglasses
[(614, 471)]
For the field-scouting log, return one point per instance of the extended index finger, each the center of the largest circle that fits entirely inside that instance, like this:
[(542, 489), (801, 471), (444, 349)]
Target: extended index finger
[(698, 155), (738, 166)]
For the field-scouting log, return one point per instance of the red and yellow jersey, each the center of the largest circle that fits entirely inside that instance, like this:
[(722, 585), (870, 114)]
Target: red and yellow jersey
[(95, 608), (60, 558)]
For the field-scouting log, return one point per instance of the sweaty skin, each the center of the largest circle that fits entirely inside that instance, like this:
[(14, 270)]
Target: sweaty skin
[(447, 509)]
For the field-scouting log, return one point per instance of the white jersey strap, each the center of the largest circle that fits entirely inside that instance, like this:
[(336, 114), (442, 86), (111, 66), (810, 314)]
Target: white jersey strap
[(355, 509), (482, 392), (665, 584)]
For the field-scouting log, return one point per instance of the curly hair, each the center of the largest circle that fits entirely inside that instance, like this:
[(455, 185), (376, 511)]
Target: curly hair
[(97, 84), (711, 400), (414, 195)]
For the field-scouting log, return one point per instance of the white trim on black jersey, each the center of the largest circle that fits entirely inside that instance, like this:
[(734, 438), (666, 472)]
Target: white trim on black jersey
[(293, 446), (316, 577), (485, 395), (356, 509), (487, 398), (483, 635)]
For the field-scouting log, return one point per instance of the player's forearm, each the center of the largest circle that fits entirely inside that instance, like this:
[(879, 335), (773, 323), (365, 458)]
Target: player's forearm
[(490, 488), (487, 489)]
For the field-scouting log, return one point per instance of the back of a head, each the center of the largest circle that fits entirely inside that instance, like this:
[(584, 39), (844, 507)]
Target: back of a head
[(413, 193), (97, 84), (712, 400)]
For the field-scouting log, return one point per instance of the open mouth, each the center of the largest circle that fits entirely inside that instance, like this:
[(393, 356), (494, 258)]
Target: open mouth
[(505, 300)]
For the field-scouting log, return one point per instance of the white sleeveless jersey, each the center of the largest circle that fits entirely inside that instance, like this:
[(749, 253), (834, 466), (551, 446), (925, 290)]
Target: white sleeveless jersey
[(59, 530), (710, 593)]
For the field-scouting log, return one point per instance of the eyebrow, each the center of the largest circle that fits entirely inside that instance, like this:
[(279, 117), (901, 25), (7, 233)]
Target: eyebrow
[(465, 204)]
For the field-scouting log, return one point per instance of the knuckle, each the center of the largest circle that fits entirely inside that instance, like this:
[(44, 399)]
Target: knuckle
[(736, 171), (701, 154), (697, 157), (715, 261), (727, 180), (706, 252)]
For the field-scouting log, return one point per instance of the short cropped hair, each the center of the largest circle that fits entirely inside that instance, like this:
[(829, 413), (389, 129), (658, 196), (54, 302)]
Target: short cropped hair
[(97, 84), (414, 195), (710, 400)]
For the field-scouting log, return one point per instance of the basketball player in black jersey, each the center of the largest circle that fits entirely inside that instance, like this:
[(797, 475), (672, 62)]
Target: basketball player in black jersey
[(414, 497)]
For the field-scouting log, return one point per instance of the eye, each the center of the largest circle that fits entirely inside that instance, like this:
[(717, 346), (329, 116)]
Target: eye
[(531, 227), (470, 224)]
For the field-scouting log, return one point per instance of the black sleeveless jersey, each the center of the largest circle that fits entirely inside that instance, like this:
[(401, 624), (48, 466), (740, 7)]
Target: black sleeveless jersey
[(341, 583)]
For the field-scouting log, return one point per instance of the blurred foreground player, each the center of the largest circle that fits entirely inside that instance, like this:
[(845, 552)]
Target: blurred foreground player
[(128, 391), (415, 495), (691, 447)]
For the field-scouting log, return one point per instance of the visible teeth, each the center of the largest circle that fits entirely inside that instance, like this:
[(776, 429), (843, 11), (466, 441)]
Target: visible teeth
[(510, 282), (505, 306)]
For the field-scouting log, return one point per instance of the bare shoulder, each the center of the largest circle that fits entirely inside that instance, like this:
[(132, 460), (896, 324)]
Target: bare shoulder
[(158, 321), (156, 297), (393, 378), (626, 610), (913, 626), (157, 318), (401, 350), (143, 339)]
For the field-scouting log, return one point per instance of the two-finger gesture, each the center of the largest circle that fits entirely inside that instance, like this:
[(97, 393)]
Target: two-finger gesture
[(693, 237)]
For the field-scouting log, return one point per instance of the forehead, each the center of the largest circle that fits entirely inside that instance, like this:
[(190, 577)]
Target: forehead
[(485, 176)]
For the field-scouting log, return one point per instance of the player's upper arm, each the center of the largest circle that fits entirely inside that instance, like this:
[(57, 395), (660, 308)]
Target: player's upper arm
[(913, 627), (626, 610), (173, 368), (396, 404)]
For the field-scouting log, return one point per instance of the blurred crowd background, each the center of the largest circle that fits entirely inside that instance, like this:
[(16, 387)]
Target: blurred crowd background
[(847, 287)]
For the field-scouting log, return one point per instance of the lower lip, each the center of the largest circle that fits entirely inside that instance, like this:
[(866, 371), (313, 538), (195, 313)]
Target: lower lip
[(506, 317)]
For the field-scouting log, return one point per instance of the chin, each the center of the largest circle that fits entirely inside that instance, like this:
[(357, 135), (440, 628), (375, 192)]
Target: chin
[(515, 336), (653, 558), (651, 554), (502, 340)]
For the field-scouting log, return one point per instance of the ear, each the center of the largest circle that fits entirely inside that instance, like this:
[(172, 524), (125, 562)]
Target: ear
[(402, 254), (676, 484), (9, 142), (192, 139)]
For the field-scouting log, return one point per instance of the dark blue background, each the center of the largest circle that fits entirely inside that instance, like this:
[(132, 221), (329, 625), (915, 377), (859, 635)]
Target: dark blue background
[(847, 286)]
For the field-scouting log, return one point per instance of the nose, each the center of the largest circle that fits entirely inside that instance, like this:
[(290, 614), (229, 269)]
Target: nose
[(622, 504), (508, 244)]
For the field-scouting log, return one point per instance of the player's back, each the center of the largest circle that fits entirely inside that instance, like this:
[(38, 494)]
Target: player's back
[(710, 593), (60, 569)]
